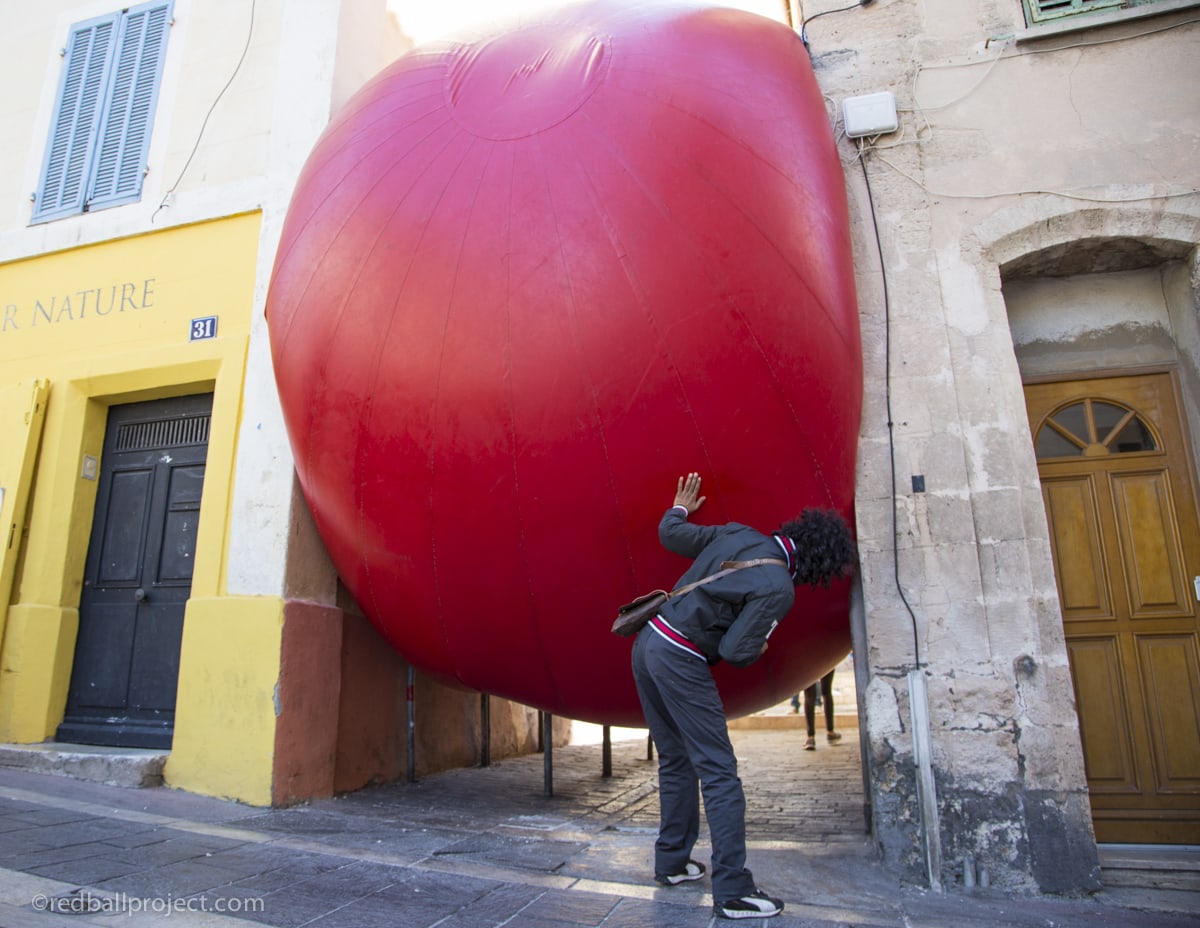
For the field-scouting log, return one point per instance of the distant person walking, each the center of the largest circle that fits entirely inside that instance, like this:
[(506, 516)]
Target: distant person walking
[(825, 698)]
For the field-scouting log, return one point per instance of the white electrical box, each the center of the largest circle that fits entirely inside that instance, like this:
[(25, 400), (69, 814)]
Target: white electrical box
[(870, 114)]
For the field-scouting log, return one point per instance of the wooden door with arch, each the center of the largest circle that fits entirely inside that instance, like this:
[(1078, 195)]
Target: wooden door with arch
[(1119, 488)]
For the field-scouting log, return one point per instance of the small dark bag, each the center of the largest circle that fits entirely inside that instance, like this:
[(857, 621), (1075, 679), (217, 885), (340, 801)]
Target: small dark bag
[(632, 617)]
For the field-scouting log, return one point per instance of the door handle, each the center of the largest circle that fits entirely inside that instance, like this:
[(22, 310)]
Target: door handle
[(139, 595)]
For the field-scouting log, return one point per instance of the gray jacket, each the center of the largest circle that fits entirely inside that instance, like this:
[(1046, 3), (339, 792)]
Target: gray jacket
[(731, 618)]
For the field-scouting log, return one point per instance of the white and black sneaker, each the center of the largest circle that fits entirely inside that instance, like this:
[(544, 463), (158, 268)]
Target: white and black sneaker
[(691, 871), (756, 905)]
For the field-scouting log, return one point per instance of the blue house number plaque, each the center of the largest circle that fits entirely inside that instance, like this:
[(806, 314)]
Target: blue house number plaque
[(204, 327)]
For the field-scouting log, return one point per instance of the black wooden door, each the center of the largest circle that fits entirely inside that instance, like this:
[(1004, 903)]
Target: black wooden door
[(138, 575)]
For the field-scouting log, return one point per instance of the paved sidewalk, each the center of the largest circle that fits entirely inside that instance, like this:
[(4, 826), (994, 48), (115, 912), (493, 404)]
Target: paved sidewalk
[(484, 847)]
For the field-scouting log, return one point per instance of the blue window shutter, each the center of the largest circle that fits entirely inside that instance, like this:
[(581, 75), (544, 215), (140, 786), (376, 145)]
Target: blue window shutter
[(120, 159), (76, 116)]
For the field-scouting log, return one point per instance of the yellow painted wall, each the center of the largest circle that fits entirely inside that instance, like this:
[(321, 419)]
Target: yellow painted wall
[(22, 410), (226, 716), (105, 324)]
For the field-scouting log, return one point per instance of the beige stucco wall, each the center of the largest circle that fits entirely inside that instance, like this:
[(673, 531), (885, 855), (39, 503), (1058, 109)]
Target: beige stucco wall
[(1109, 321)]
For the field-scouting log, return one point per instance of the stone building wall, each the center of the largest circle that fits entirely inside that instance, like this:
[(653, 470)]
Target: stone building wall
[(1011, 146)]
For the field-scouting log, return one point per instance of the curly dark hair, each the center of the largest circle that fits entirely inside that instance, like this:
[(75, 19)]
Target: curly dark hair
[(825, 549)]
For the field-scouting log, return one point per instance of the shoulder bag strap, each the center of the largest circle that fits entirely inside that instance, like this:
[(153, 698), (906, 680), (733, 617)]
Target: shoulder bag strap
[(727, 567)]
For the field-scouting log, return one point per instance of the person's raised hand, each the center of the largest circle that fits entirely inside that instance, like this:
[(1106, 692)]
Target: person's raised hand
[(687, 493)]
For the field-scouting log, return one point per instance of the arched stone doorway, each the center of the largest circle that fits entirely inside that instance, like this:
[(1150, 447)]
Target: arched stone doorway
[(1105, 332)]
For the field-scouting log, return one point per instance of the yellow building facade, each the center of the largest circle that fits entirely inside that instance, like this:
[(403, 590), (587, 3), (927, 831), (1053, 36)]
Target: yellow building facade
[(85, 330)]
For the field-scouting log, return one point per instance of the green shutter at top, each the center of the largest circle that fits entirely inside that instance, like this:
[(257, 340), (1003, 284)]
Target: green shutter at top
[(1043, 10)]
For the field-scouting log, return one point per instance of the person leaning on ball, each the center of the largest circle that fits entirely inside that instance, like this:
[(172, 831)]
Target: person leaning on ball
[(731, 620)]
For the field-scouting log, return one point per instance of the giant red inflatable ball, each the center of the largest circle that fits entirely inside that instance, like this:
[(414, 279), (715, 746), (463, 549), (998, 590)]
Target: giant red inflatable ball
[(529, 279)]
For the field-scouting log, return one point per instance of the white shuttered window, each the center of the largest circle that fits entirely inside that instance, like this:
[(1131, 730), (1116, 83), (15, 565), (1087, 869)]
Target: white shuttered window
[(100, 130)]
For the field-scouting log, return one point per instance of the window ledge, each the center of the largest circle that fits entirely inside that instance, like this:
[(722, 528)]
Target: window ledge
[(1082, 21)]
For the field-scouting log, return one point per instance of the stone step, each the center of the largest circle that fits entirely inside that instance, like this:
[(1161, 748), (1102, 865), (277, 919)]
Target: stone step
[(135, 767), (1151, 866)]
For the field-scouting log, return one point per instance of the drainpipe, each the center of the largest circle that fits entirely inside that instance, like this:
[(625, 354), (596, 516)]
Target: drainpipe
[(862, 680), (918, 701), (791, 13)]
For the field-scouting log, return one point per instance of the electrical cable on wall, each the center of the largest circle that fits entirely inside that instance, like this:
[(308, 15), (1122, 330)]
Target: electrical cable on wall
[(805, 22), (1035, 191), (211, 109), (1007, 52), (887, 329)]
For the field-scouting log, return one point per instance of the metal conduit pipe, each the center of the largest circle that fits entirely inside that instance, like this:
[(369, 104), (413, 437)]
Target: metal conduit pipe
[(918, 698)]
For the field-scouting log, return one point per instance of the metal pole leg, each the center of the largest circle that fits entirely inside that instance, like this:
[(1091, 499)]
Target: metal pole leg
[(548, 754), (410, 700), (485, 730)]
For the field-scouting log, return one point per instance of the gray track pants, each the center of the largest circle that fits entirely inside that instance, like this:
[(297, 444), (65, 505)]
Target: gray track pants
[(687, 721)]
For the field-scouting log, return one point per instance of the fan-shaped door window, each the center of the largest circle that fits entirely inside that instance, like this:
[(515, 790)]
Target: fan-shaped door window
[(1093, 428)]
